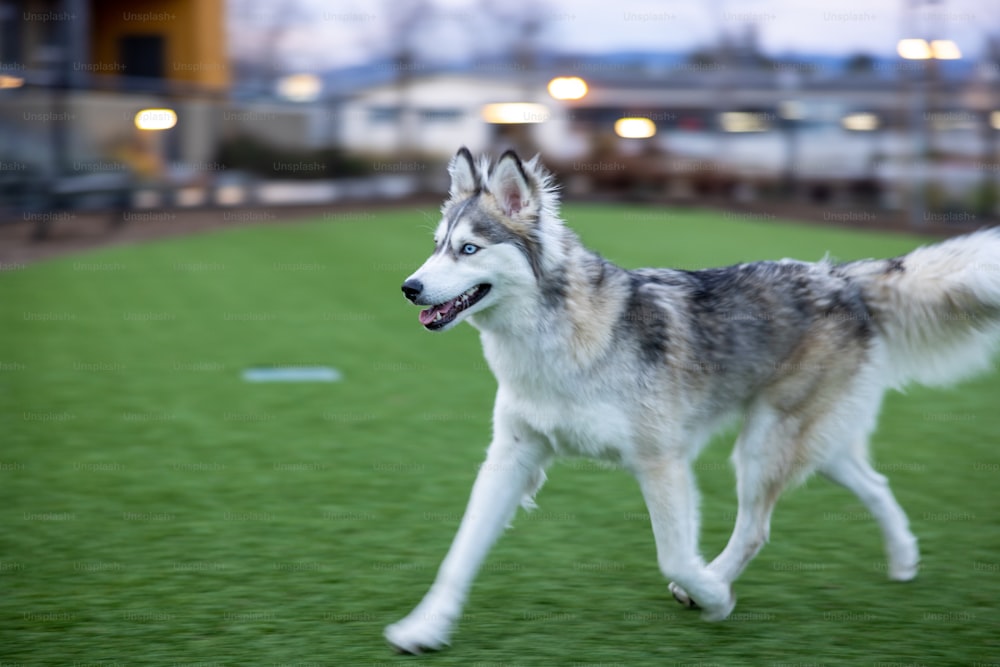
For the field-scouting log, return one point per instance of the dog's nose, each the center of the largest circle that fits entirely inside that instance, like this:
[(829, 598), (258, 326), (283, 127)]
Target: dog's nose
[(412, 289)]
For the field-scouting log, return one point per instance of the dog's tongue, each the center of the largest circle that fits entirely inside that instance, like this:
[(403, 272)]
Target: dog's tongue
[(427, 316)]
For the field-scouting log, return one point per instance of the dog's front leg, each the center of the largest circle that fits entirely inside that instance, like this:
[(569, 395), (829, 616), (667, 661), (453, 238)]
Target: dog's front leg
[(512, 468), (669, 489)]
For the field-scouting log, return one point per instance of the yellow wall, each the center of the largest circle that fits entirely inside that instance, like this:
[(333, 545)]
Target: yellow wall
[(194, 31)]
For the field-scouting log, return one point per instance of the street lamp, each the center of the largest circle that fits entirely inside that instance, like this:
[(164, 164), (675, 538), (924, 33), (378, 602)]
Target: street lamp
[(921, 50), (155, 119), (861, 121), (567, 88), (635, 128), (791, 112), (515, 113), (300, 87)]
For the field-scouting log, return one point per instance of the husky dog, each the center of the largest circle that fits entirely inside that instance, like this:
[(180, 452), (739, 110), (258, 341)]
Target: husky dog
[(641, 367)]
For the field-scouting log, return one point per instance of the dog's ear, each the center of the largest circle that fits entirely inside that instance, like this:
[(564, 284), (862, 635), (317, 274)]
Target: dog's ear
[(464, 176), (509, 184)]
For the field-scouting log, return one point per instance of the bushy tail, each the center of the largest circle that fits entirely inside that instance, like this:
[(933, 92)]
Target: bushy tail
[(938, 308)]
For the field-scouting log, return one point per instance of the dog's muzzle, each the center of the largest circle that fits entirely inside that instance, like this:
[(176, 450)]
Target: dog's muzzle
[(412, 289)]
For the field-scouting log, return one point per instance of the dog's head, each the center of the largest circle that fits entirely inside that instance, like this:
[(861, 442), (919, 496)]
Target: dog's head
[(488, 246)]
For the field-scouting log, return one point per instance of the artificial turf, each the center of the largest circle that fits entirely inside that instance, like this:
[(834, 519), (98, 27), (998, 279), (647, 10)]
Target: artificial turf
[(157, 509)]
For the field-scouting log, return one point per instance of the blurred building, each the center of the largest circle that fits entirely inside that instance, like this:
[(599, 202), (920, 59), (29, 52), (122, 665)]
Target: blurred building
[(448, 109), (433, 115), (177, 41), (746, 128), (90, 65), (134, 43), (726, 119)]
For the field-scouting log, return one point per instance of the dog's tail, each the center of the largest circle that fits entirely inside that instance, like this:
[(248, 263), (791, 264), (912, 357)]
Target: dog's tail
[(938, 308)]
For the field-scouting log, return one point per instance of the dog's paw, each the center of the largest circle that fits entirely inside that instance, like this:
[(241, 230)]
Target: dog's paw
[(904, 561), (903, 572), (711, 614), (417, 635), (682, 597), (719, 612)]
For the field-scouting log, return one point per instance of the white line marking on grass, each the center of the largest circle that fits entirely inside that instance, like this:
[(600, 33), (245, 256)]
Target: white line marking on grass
[(292, 374)]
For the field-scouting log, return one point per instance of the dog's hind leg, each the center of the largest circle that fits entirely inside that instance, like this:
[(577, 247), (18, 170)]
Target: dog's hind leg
[(853, 471), (668, 487)]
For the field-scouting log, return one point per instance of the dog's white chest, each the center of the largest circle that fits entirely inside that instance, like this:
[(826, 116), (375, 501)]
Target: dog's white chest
[(578, 428)]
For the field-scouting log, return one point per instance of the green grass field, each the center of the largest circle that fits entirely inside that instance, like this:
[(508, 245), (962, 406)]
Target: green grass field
[(157, 509)]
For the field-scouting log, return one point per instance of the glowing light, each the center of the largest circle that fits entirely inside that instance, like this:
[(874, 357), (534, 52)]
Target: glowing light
[(743, 121), (508, 113), (995, 120), (229, 195), (300, 87), (635, 128), (156, 119), (860, 122), (914, 49), (7, 81), (945, 49), (567, 88)]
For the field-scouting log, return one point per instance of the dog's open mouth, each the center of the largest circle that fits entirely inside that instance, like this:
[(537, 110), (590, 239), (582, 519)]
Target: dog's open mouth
[(442, 314)]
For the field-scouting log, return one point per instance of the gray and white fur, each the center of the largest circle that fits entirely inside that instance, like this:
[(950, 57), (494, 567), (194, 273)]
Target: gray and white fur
[(642, 367)]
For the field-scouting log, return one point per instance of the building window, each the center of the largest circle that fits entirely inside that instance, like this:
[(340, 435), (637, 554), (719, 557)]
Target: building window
[(383, 114), (440, 115), (143, 55)]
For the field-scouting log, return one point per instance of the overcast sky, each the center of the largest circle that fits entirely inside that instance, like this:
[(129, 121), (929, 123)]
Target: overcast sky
[(333, 33)]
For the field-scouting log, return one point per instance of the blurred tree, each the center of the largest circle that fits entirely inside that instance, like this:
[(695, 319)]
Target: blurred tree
[(260, 59), (404, 20), (519, 25), (704, 57), (860, 63), (740, 50)]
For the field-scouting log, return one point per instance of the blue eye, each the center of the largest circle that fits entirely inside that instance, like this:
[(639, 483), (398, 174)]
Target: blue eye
[(469, 249)]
